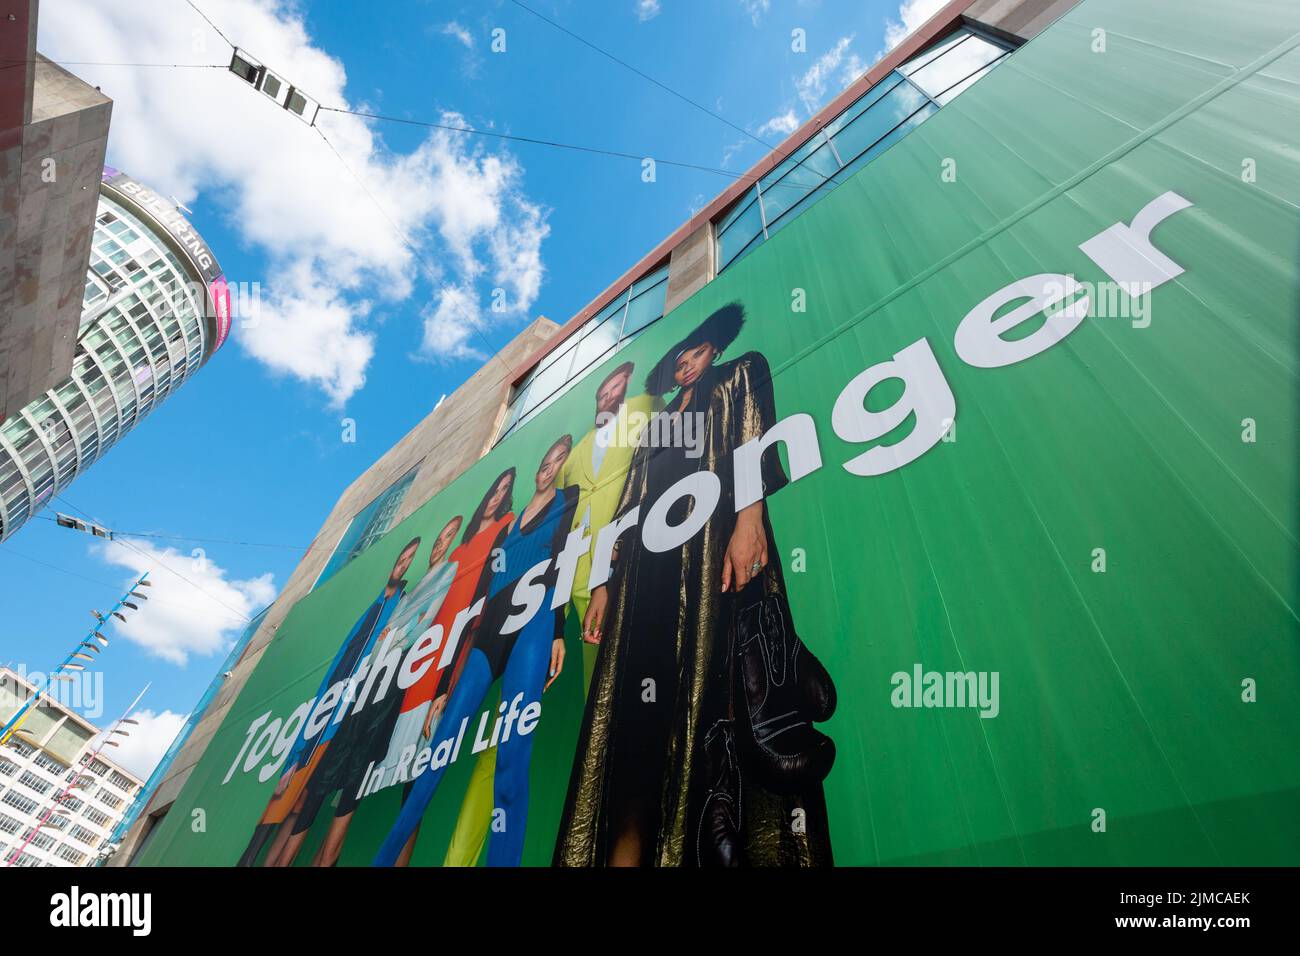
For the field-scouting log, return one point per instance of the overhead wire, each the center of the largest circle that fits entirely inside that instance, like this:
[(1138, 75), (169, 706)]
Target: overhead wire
[(5, 549), (645, 76), (823, 177), (155, 559), (209, 22), (430, 273), (19, 61), (415, 251), (555, 144)]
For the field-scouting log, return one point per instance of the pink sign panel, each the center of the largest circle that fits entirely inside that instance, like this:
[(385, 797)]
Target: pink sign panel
[(220, 293)]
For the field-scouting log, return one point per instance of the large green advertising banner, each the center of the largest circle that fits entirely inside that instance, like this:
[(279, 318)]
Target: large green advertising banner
[(955, 524)]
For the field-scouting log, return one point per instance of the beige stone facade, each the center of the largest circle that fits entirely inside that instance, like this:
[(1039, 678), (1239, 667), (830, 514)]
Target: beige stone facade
[(49, 190)]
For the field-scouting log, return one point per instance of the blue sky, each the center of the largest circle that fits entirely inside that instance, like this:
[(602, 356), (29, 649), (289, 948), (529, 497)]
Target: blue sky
[(350, 324)]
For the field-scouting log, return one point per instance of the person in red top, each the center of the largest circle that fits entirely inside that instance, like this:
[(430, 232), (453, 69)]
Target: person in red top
[(484, 533)]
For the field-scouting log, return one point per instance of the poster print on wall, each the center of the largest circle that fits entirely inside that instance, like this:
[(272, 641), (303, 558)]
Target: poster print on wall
[(957, 565)]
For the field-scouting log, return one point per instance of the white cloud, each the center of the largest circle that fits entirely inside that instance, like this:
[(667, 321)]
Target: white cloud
[(647, 9), (837, 62), (307, 331), (756, 9), (517, 255), (454, 29), (147, 742), (450, 322), (911, 14), (332, 255), (193, 607), (782, 124), (730, 150), (854, 66)]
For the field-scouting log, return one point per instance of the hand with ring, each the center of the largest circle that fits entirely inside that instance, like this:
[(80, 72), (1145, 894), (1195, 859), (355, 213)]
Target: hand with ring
[(746, 553)]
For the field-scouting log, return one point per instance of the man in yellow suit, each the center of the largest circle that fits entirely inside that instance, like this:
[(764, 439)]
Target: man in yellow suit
[(598, 466)]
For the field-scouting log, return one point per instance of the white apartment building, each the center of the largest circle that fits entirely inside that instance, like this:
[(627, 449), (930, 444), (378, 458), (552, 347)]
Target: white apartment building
[(53, 749)]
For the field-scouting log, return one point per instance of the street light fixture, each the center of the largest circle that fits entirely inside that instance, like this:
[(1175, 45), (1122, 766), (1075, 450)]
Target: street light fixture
[(274, 86)]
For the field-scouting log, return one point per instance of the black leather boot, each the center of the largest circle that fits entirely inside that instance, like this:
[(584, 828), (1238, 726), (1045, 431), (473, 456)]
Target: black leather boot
[(781, 689), (718, 839)]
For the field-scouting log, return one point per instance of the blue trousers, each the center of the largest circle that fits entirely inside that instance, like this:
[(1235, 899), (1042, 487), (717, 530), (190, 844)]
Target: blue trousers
[(526, 671)]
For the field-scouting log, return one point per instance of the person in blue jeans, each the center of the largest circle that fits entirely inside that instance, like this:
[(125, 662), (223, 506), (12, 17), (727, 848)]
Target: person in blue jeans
[(527, 661)]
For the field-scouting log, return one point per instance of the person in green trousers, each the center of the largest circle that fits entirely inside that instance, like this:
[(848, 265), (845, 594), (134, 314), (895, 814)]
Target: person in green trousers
[(598, 467)]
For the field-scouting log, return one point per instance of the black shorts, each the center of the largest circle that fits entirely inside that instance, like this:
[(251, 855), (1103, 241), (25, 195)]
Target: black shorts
[(361, 741)]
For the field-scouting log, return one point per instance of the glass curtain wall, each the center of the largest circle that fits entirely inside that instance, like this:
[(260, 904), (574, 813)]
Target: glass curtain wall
[(882, 116), (142, 333)]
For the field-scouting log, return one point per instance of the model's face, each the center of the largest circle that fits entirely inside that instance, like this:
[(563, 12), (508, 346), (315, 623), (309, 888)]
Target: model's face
[(550, 467), (403, 565), (611, 395), (692, 363), (498, 495), (443, 543)]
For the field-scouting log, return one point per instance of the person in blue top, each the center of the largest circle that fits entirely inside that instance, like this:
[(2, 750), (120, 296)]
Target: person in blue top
[(527, 662), (376, 729), (332, 755), (307, 752), (413, 618)]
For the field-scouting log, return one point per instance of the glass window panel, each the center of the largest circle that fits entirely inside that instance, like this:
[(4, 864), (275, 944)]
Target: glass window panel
[(612, 311), (19, 434), (933, 53), (12, 482), (753, 244), (739, 234), (549, 399), (872, 96), (550, 378), (646, 308), (792, 213), (598, 341), (516, 410), (792, 161), (916, 119), (785, 195), (93, 379), (785, 192), (957, 64), (369, 524), (649, 281), (70, 396), (889, 112), (953, 92), (821, 165), (737, 210)]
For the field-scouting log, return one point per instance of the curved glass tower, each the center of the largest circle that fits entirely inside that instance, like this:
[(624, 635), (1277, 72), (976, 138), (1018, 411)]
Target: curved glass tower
[(156, 307)]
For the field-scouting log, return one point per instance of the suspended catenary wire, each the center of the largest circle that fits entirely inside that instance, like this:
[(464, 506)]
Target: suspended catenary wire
[(155, 559), (554, 144), (209, 22)]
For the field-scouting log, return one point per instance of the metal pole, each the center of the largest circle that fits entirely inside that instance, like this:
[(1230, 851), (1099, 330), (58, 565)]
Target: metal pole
[(16, 855)]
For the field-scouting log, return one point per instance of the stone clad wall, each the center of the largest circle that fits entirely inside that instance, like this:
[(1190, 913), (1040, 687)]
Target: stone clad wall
[(45, 231)]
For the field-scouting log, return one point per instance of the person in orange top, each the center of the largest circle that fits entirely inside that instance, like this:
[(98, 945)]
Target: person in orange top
[(484, 533)]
